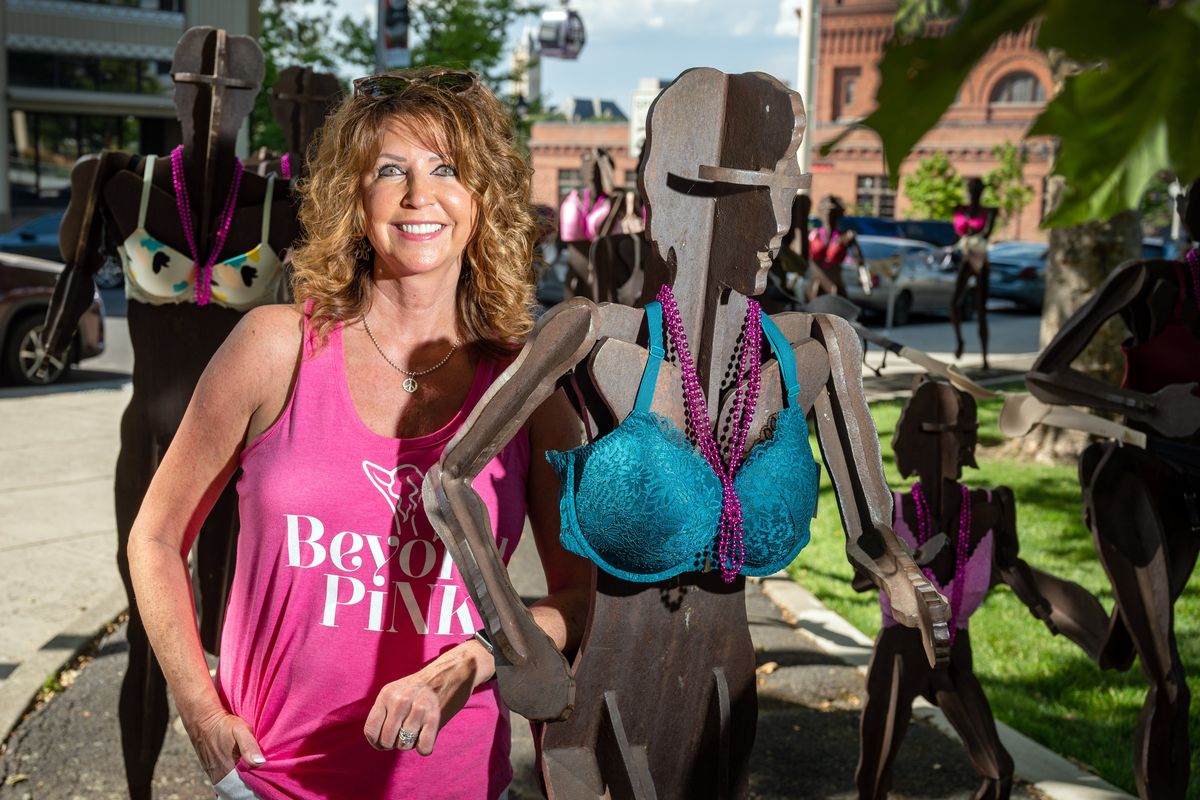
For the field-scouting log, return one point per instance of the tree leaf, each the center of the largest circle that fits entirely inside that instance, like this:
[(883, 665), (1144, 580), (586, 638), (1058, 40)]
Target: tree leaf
[(919, 78), (1118, 125)]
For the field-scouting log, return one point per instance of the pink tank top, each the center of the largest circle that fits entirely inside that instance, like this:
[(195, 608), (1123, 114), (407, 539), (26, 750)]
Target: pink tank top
[(342, 586), (978, 578)]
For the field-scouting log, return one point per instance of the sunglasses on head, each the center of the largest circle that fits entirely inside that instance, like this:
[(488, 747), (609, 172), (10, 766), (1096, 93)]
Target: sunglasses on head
[(457, 81)]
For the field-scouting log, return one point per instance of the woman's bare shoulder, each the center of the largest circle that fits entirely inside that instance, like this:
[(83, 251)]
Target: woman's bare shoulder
[(265, 344)]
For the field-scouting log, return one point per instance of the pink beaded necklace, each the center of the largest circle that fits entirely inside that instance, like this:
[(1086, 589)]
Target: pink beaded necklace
[(184, 205), (960, 548), (730, 549)]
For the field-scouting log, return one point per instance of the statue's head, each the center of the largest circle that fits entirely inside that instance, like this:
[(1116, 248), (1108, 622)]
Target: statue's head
[(300, 100), (975, 190), (719, 173), (217, 77), (936, 433)]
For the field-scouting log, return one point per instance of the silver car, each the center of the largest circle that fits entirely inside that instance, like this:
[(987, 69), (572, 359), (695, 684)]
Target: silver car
[(905, 276)]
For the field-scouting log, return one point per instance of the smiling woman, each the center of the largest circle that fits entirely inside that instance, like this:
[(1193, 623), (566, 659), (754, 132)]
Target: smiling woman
[(350, 664)]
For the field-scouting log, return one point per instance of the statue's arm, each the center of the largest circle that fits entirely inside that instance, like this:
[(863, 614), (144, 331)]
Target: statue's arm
[(1053, 380), (850, 449), (1063, 606), (533, 674), (80, 241)]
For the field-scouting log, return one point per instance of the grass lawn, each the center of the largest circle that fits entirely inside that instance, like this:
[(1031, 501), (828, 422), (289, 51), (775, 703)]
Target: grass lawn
[(1040, 684)]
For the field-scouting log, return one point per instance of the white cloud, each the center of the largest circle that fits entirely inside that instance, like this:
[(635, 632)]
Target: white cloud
[(787, 24), (611, 18)]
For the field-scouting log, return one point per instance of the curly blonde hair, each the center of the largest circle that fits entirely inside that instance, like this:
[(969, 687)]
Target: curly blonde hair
[(469, 125)]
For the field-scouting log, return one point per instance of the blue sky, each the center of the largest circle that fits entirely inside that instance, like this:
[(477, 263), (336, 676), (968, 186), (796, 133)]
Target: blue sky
[(632, 39)]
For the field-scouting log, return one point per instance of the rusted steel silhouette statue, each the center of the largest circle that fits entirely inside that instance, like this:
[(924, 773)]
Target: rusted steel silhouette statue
[(1141, 504), (973, 223), (791, 265), (828, 247), (602, 229), (660, 700), (966, 540), (178, 313), (300, 100)]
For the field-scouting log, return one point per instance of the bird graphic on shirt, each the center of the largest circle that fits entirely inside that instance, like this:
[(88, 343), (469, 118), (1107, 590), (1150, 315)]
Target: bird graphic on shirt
[(401, 490)]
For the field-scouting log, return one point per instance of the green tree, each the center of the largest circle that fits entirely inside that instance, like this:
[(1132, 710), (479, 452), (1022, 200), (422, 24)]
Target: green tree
[(933, 189), (307, 33), (465, 34), (1005, 187), (1123, 109)]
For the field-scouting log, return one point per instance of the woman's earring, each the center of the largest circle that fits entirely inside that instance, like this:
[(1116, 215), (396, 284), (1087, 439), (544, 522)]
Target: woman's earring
[(363, 251)]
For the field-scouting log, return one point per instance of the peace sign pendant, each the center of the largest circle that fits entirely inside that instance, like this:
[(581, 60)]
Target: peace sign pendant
[(410, 384)]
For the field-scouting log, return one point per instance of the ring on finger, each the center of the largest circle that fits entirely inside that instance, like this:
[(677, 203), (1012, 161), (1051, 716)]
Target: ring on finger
[(406, 738)]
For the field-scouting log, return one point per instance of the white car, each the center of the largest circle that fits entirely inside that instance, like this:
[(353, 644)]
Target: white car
[(906, 275)]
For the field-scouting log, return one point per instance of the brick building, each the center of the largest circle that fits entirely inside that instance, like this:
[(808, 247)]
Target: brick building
[(998, 102), (556, 151)]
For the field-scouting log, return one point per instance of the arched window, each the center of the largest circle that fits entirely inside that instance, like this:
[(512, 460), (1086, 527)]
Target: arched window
[(1018, 87)]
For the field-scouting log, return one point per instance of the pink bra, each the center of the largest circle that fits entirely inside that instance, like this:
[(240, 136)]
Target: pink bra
[(964, 225), (579, 219)]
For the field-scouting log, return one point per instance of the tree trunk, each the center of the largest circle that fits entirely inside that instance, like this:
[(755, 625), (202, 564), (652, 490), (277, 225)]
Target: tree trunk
[(1080, 258)]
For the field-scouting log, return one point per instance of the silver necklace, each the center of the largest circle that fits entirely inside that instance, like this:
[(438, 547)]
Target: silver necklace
[(410, 382)]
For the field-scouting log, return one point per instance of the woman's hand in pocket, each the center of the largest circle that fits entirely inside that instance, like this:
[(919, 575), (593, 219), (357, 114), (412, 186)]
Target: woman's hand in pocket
[(220, 741)]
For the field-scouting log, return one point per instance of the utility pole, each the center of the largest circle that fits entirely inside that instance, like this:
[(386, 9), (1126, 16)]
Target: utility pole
[(806, 80)]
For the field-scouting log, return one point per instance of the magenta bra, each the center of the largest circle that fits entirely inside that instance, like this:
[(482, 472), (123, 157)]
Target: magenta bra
[(964, 225), (579, 218)]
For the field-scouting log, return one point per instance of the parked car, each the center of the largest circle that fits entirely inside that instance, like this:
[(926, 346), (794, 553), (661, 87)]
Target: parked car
[(873, 226), (1157, 247), (25, 287), (1018, 273), (905, 273), (39, 238), (937, 232)]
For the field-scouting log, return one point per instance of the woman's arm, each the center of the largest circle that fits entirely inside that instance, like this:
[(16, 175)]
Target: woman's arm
[(238, 395), (426, 700)]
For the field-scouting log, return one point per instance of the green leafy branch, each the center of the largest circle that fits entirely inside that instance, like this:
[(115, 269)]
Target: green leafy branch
[(1120, 121)]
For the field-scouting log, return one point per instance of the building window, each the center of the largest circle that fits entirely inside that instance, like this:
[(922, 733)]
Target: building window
[(89, 73), (1018, 87), (568, 179), (44, 147), (845, 90), (875, 196)]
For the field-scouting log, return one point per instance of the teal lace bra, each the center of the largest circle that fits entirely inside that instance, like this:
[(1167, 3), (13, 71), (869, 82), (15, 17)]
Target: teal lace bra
[(644, 505)]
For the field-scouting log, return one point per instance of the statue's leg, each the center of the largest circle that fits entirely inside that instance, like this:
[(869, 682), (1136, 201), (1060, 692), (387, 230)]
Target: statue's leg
[(143, 708), (982, 276), (961, 698), (897, 674), (956, 302), (1142, 536), (1115, 651)]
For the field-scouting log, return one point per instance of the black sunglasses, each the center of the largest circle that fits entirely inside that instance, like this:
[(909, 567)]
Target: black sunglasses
[(456, 81)]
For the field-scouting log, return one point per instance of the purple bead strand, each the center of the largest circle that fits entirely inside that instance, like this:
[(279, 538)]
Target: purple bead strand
[(961, 546), (730, 548), (203, 287)]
